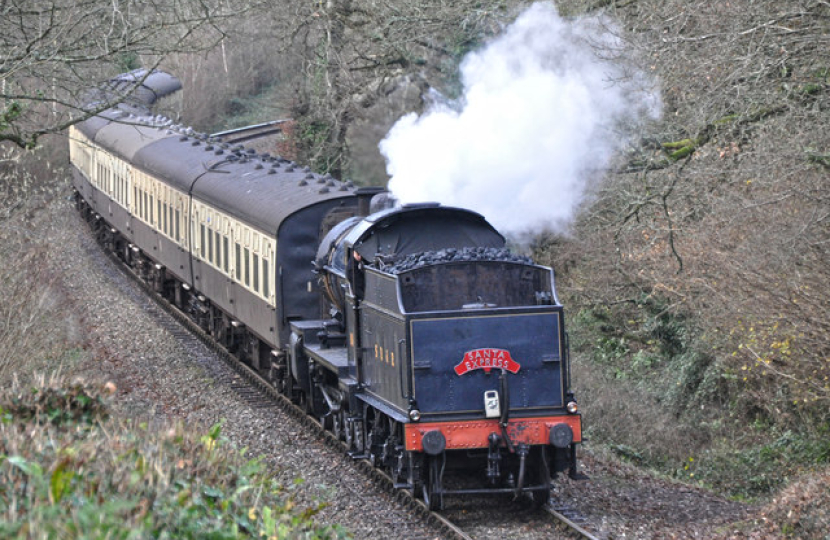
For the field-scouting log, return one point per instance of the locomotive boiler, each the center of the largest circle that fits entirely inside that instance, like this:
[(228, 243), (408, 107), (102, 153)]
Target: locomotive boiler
[(411, 332)]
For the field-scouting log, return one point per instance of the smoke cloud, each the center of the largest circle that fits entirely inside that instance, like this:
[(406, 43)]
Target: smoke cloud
[(539, 117)]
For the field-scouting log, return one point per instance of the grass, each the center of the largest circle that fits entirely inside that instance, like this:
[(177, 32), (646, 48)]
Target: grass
[(69, 470)]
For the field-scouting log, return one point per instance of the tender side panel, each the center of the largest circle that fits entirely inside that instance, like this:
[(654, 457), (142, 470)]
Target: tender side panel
[(457, 358), (384, 356)]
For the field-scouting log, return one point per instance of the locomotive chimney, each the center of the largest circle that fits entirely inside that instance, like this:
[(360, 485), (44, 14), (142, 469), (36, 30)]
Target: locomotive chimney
[(364, 198)]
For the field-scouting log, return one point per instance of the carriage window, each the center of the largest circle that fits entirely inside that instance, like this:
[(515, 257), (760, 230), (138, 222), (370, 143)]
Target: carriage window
[(210, 246), (265, 289), (238, 262), (202, 243), (151, 220), (158, 203), (256, 272), (247, 262), (218, 250), (226, 254), (178, 227)]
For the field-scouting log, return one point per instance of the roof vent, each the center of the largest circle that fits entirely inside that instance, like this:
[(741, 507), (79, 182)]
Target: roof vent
[(258, 166), (208, 148), (309, 176), (303, 183), (290, 168), (324, 190), (272, 171), (195, 143), (183, 138), (219, 152)]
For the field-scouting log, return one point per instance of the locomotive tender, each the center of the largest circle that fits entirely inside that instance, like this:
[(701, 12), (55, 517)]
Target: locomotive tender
[(410, 332)]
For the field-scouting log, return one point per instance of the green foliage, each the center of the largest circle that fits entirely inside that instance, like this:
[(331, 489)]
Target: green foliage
[(314, 140), (127, 61), (84, 477), (245, 110), (757, 470), (70, 404), (680, 149), (818, 158), (628, 453), (646, 328), (10, 113)]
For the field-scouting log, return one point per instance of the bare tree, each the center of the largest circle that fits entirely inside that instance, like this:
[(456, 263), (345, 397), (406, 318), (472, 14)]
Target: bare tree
[(52, 50), (722, 212), (356, 53)]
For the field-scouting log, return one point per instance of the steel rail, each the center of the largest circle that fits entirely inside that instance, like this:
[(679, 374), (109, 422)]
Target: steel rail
[(570, 523)]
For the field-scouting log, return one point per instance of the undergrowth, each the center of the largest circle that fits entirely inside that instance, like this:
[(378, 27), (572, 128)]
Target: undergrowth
[(654, 396), (68, 470)]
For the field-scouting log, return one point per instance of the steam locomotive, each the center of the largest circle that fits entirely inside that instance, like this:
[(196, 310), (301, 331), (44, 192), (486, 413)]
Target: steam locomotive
[(410, 332)]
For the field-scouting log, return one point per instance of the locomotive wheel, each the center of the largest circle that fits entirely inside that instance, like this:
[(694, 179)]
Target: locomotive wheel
[(358, 440), (126, 253), (349, 435), (337, 423)]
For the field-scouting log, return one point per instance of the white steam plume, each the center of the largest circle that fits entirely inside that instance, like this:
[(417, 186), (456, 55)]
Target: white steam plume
[(536, 121)]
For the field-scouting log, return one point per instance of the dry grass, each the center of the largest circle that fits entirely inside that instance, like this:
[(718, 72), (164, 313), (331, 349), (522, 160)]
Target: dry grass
[(35, 328)]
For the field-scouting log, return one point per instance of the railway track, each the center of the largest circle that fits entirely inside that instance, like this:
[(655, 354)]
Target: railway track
[(247, 134), (456, 522)]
